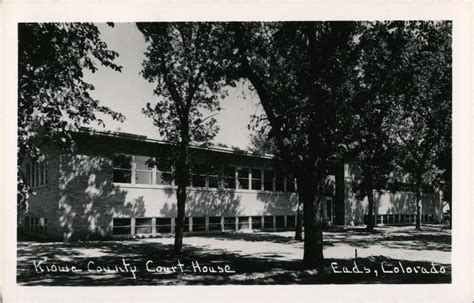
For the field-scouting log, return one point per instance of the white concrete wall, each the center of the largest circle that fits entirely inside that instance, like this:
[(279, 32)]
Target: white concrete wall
[(160, 201)]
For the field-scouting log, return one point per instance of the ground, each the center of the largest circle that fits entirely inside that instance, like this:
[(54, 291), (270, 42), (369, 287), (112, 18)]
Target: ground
[(390, 255)]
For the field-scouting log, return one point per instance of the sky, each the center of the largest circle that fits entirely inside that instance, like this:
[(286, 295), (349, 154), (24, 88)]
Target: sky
[(128, 92)]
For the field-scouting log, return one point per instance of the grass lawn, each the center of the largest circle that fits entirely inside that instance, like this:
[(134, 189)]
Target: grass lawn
[(390, 255)]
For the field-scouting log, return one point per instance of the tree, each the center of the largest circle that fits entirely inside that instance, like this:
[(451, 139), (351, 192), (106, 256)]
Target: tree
[(421, 114), (262, 143), (186, 61), (444, 180), (300, 71), (53, 98), (371, 146)]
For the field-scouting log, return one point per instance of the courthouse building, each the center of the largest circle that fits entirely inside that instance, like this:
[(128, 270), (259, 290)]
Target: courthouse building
[(121, 185)]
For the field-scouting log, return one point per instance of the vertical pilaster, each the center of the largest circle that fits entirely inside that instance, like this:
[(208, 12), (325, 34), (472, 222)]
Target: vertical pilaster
[(132, 226), (173, 225), (153, 227)]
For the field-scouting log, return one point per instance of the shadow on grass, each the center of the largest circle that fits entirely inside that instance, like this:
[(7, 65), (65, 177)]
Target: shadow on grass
[(254, 237), (250, 270), (430, 238)]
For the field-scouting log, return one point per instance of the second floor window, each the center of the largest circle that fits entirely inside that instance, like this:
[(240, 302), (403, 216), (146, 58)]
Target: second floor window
[(37, 173), (123, 169), (133, 169), (143, 170)]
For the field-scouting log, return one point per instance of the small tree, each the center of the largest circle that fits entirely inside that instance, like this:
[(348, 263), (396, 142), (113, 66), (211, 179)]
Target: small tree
[(186, 62), (53, 98)]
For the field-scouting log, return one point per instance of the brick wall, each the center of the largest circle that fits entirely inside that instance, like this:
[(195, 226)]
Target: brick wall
[(43, 201)]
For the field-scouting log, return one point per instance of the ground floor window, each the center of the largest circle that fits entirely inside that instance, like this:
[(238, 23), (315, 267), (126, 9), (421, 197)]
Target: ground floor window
[(256, 222), (199, 224), (122, 226), (143, 226), (291, 221), (229, 223), (389, 219), (161, 225), (37, 225), (279, 221), (244, 223), (268, 222), (214, 223)]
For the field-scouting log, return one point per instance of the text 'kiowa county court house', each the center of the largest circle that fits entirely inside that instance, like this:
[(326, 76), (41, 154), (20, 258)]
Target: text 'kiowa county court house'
[(109, 187)]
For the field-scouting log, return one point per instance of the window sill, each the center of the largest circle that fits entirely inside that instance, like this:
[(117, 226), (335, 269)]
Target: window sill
[(174, 187)]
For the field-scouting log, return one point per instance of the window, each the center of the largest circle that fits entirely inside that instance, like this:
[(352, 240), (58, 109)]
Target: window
[(256, 179), (164, 173), (290, 184), (121, 226), (143, 170), (37, 173), (214, 223), (37, 225), (243, 178), (290, 221), (140, 170), (163, 225), (256, 222), (143, 226), (268, 222), (28, 174), (122, 169), (134, 169), (279, 182), (229, 177), (199, 175), (268, 180), (199, 224), (214, 179), (27, 223), (244, 223), (229, 223), (279, 221)]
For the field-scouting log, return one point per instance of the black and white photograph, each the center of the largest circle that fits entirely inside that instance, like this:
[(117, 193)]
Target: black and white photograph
[(230, 153)]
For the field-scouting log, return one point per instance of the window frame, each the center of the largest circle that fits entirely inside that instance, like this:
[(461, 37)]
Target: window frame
[(221, 174), (36, 173)]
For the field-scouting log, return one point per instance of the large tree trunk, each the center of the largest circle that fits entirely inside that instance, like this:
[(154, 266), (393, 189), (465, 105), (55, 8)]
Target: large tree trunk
[(418, 195), (313, 223), (182, 180), (299, 223), (370, 222), (179, 228)]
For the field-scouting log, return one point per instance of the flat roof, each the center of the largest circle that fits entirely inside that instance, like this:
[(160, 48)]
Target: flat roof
[(142, 138)]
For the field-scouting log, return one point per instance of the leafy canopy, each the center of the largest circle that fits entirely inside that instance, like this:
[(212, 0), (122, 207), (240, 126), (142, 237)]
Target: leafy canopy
[(187, 62), (422, 102), (53, 98)]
